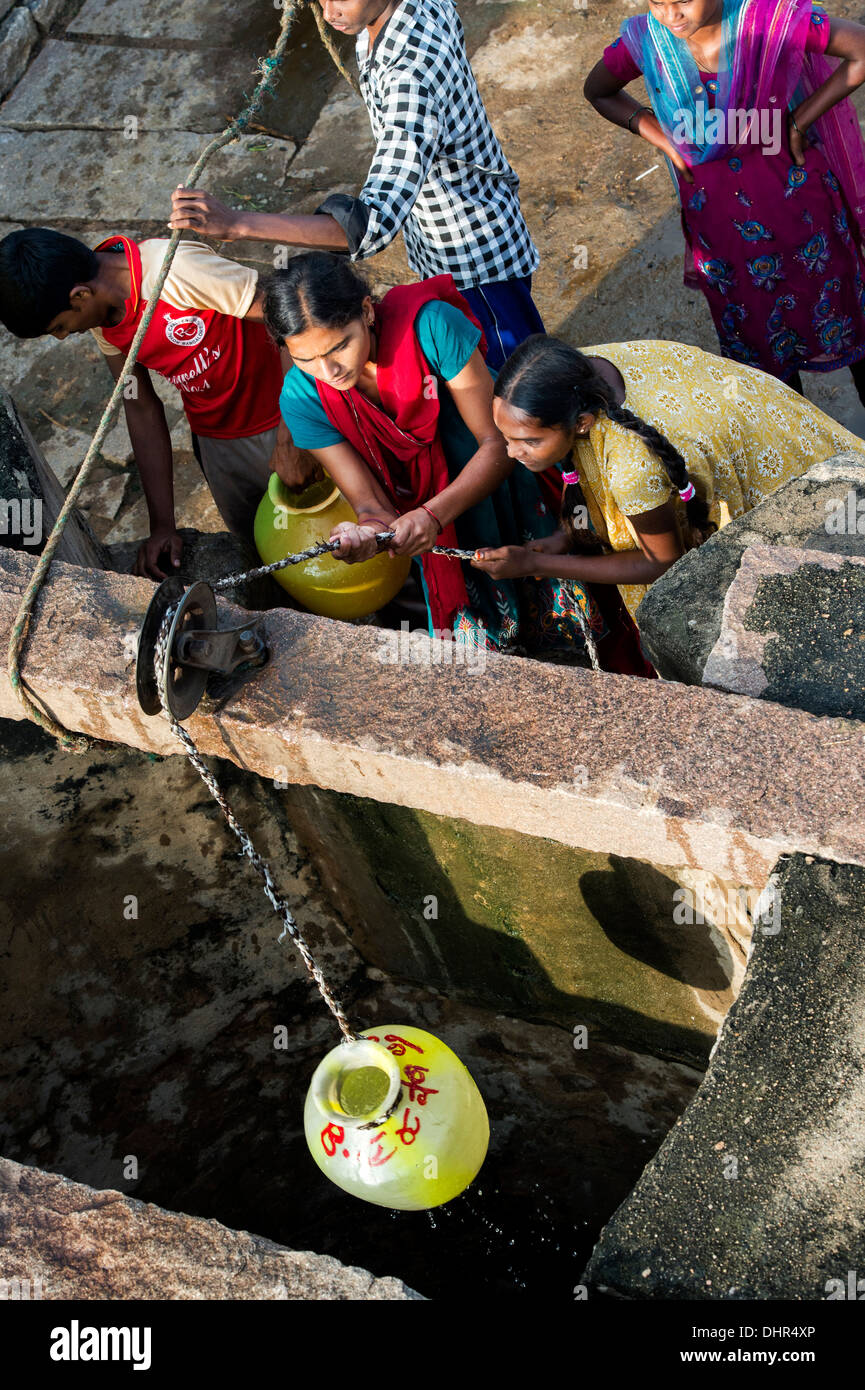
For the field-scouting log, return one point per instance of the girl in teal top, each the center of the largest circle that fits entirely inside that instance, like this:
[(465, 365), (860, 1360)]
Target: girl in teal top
[(417, 454)]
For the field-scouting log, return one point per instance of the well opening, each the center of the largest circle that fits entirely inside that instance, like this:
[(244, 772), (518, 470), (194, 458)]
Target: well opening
[(157, 1040)]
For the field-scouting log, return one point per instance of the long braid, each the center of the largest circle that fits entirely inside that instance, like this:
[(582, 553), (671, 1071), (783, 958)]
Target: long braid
[(677, 470)]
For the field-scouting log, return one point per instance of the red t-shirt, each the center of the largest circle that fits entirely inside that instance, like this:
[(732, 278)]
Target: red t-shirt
[(225, 367)]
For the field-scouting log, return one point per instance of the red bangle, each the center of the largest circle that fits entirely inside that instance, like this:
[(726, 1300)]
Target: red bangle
[(434, 517)]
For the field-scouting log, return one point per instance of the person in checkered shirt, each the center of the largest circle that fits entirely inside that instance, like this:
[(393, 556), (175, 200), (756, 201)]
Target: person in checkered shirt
[(439, 174)]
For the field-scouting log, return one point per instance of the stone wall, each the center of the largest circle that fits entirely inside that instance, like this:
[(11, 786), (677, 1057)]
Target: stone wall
[(758, 1192), (524, 924), (62, 1240)]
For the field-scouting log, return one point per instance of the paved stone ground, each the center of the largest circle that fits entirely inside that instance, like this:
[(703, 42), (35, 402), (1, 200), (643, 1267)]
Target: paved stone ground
[(168, 75)]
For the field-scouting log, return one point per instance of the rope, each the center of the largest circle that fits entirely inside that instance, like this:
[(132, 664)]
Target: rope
[(269, 69), (330, 44)]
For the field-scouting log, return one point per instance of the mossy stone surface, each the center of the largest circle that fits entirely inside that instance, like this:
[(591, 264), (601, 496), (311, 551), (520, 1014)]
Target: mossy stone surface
[(518, 922)]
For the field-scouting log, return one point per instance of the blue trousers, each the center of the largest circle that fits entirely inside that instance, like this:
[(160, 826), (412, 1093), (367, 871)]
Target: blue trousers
[(507, 314)]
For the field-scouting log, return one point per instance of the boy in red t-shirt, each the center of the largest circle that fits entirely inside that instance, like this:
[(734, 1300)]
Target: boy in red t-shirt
[(206, 337)]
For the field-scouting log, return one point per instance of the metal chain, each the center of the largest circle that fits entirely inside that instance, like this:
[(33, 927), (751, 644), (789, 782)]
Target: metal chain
[(323, 547), (261, 866)]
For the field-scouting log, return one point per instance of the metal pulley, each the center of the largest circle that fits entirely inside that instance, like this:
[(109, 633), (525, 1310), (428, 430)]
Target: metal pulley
[(195, 648)]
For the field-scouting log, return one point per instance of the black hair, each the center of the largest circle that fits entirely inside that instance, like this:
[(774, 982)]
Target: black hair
[(555, 384), (38, 268), (316, 290)]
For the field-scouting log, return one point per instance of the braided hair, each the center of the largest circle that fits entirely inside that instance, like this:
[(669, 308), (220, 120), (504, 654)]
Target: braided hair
[(555, 384)]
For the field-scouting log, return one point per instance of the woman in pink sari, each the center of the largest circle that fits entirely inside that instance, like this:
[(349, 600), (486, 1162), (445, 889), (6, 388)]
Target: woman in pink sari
[(769, 167)]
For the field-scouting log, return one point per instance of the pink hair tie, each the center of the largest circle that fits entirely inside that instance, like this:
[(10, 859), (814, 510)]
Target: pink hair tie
[(686, 493), (569, 479)]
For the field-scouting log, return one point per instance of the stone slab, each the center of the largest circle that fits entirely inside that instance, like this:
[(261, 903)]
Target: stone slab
[(18, 37), (65, 449), (680, 617), (176, 91), (246, 22), (86, 1244), (103, 497), (759, 1191), (793, 632), (45, 12), (121, 181), (703, 780)]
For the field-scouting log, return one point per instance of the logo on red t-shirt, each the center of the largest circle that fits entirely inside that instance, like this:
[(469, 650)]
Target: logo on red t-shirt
[(186, 331), (226, 368)]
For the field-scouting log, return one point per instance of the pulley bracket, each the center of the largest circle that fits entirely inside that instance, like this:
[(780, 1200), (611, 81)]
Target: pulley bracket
[(195, 648)]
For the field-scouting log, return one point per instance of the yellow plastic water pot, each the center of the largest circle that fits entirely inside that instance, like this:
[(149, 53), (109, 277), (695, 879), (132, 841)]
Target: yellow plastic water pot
[(396, 1119), (287, 522)]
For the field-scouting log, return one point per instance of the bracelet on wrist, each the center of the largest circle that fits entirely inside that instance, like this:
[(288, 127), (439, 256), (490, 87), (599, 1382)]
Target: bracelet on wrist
[(377, 522), (639, 111), (434, 517)]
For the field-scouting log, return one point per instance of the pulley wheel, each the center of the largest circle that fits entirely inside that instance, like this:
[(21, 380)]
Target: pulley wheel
[(184, 685)]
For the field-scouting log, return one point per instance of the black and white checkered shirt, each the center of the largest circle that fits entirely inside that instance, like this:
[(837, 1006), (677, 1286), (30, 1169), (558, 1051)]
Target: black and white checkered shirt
[(439, 172)]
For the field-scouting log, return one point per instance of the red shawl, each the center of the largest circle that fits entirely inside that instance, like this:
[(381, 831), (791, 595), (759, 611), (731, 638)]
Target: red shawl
[(400, 443)]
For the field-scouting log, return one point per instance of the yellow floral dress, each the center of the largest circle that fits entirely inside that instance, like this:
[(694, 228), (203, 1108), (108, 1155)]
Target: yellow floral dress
[(741, 432)]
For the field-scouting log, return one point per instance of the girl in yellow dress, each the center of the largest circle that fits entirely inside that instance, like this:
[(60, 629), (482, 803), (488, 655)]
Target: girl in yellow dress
[(664, 442)]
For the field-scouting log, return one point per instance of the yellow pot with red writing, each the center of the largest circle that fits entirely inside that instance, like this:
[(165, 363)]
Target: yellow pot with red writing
[(287, 522), (396, 1119)]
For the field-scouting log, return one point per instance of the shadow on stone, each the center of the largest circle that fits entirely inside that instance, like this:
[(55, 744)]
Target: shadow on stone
[(684, 953)]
